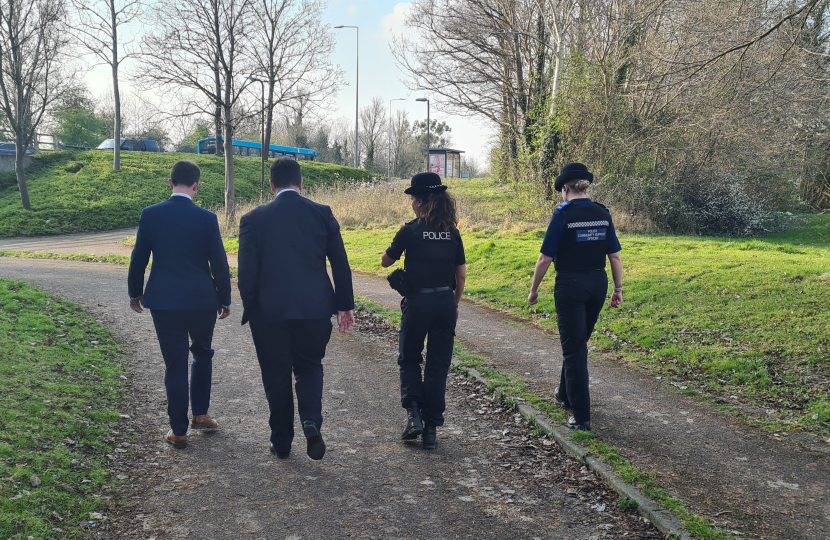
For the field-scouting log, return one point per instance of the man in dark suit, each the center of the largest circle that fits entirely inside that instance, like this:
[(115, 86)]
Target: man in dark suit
[(189, 286), (288, 298)]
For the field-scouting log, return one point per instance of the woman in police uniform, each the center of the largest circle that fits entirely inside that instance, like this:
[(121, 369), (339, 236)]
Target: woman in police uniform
[(435, 273), (579, 238)]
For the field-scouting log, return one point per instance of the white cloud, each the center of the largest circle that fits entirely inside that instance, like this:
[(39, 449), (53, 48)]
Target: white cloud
[(394, 24)]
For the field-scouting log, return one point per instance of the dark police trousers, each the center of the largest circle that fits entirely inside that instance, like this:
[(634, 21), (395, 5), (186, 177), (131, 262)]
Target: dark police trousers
[(297, 346), (579, 297), (175, 330), (426, 315)]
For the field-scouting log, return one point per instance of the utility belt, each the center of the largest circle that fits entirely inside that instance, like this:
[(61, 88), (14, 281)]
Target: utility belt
[(399, 281), (428, 290)]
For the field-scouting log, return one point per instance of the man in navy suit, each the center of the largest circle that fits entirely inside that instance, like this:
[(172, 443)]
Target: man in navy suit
[(189, 286), (288, 298)]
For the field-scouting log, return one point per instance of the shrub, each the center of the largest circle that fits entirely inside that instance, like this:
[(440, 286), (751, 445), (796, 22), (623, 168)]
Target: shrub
[(695, 202)]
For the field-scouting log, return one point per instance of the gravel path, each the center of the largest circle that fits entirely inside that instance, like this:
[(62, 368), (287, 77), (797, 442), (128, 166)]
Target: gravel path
[(760, 485), (489, 478)]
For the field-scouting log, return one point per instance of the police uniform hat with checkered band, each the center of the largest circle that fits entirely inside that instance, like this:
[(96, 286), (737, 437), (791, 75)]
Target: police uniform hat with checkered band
[(425, 182), (571, 172)]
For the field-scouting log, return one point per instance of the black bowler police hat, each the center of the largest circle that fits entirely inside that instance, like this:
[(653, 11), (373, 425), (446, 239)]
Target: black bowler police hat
[(571, 172), (425, 182)]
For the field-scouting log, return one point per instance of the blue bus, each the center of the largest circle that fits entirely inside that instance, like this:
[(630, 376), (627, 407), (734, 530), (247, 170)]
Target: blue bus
[(248, 148)]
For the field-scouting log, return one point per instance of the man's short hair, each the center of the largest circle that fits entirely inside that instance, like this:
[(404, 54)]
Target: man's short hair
[(185, 173), (285, 172)]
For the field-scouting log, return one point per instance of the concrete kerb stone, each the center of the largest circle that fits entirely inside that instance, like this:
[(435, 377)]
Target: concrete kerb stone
[(663, 520)]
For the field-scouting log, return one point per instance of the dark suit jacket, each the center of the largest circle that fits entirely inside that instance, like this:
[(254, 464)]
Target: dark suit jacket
[(190, 268), (283, 247)]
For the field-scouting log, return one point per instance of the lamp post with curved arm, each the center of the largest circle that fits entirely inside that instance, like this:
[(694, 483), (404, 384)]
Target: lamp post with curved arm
[(425, 99)]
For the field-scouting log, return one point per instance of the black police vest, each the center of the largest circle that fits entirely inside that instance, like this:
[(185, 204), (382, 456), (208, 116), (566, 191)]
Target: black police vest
[(584, 241), (431, 256)]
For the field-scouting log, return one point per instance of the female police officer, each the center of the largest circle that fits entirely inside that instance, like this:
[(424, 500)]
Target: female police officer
[(435, 266), (579, 237)]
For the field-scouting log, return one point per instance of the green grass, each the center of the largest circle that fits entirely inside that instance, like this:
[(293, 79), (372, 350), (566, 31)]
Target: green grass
[(60, 374), (717, 316), (79, 191)]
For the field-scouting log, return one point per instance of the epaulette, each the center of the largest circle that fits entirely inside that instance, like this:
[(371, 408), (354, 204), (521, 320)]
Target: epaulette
[(563, 205)]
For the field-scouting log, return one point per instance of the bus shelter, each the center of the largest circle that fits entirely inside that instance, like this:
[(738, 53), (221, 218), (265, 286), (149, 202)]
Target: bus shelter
[(445, 162)]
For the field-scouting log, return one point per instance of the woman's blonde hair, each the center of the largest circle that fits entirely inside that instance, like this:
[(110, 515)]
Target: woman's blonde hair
[(578, 186)]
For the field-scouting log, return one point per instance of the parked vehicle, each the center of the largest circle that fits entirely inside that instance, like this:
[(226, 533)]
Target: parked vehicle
[(8, 149), (249, 148), (134, 145)]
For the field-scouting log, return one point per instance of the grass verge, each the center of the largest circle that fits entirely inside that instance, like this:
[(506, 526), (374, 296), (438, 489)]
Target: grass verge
[(60, 373), (512, 389)]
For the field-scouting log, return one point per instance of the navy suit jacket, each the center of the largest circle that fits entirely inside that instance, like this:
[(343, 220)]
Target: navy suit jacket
[(190, 268), (283, 247)]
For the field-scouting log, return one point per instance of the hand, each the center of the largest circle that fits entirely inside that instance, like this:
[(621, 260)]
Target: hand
[(345, 320), (136, 303), (616, 299), (533, 298), (223, 312)]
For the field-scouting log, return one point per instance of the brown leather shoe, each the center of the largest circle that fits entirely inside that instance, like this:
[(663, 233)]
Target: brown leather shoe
[(178, 441), (203, 421)]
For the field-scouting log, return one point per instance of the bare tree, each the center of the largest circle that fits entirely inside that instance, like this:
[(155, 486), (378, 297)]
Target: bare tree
[(293, 48), (373, 128), (32, 77), (99, 25), (200, 54)]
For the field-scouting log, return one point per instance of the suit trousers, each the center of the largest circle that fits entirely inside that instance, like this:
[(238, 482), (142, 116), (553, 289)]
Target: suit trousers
[(181, 332), (432, 316), (284, 347), (579, 298)]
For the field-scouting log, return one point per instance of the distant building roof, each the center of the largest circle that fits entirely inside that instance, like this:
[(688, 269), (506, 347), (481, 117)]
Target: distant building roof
[(441, 150)]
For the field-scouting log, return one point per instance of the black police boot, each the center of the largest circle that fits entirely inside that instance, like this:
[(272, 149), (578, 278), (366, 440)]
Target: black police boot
[(414, 426), (579, 426), (429, 438), (559, 399)]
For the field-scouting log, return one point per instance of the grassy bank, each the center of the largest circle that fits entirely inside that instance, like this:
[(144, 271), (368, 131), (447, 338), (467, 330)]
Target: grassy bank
[(60, 375), (79, 191), (742, 320)]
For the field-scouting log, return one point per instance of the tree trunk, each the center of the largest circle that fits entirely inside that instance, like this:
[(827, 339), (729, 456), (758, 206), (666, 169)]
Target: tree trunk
[(19, 163), (229, 188), (116, 153)]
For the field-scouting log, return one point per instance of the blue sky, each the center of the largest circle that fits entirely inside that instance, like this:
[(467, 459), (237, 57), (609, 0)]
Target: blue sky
[(379, 76)]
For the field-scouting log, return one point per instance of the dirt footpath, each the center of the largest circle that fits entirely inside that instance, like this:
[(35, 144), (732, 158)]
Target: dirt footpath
[(489, 478)]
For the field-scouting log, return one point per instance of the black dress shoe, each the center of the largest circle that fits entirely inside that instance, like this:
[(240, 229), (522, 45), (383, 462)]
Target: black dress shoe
[(281, 455), (315, 447), (559, 399), (429, 438), (579, 426), (414, 426)]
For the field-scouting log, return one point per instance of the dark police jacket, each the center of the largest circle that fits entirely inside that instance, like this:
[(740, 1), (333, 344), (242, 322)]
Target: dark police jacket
[(190, 268), (431, 255), (580, 236), (283, 247)]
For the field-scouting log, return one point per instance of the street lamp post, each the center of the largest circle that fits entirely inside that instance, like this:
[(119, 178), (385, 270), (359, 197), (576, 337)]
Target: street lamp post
[(425, 99), (389, 153), (356, 88), (263, 152)]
